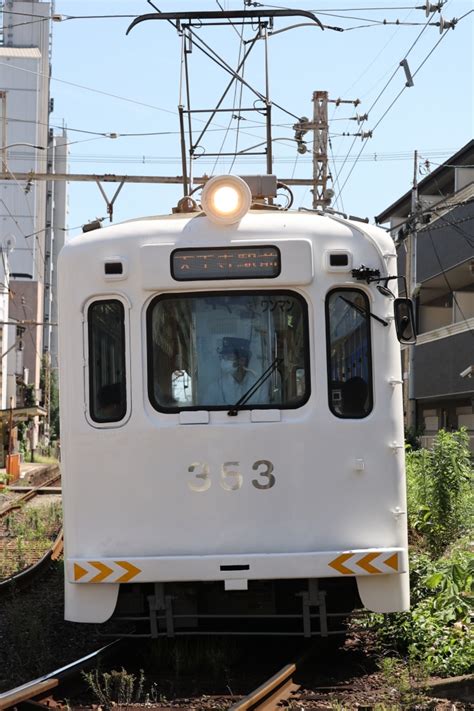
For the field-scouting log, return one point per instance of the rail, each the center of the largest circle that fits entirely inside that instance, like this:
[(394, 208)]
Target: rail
[(30, 494), (27, 575), (53, 680), (275, 691)]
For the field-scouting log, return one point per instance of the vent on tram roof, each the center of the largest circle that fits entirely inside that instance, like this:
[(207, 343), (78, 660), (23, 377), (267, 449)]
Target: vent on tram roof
[(337, 260), (113, 268)]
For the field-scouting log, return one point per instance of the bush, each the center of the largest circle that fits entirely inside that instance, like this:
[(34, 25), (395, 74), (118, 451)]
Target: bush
[(436, 632), (439, 487), (117, 688)]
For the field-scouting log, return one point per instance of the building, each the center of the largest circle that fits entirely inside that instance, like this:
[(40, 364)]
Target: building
[(32, 213), (433, 227), (7, 334)]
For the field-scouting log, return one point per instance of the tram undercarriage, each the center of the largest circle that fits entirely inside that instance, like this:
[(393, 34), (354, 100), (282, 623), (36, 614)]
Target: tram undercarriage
[(285, 607)]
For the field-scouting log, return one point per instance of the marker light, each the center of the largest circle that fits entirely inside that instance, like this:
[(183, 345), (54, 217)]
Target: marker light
[(226, 199)]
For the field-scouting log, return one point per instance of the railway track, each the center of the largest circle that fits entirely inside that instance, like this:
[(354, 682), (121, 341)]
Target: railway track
[(277, 689), (28, 575), (267, 696), (18, 502), (42, 688), (35, 558)]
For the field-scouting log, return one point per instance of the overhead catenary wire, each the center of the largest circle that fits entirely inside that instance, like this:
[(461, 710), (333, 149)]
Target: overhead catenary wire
[(40, 264), (105, 93), (429, 210), (238, 113), (362, 74), (394, 100), (133, 101), (237, 128), (336, 182), (468, 238), (407, 53), (141, 159), (455, 225)]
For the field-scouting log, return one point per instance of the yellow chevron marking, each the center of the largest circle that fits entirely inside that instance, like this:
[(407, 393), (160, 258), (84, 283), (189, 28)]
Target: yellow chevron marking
[(392, 561), (132, 571), (338, 564), (79, 572), (104, 571), (365, 562)]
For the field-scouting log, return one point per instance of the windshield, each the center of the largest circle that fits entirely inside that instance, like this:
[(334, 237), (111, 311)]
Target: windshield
[(208, 350)]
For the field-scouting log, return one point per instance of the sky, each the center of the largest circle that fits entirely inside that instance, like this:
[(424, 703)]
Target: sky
[(105, 82)]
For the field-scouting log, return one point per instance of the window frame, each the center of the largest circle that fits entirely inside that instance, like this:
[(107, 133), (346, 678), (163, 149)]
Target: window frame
[(90, 416), (173, 410), (339, 415)]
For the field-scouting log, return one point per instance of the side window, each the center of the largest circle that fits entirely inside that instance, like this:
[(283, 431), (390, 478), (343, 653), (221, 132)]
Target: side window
[(349, 353), (107, 384)]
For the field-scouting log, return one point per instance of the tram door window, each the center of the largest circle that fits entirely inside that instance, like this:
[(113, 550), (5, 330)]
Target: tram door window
[(349, 353), (107, 383), (209, 350)]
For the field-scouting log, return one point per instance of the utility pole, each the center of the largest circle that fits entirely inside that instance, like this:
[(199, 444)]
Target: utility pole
[(322, 196), (412, 282), (319, 126), (320, 149), (47, 391)]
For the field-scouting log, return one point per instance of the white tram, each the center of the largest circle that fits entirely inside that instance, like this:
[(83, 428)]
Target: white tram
[(231, 417)]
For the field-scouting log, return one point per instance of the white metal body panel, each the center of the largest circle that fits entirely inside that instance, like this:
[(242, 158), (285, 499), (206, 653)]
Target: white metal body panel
[(339, 482)]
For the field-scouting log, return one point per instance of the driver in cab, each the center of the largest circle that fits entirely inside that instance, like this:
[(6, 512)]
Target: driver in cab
[(235, 378)]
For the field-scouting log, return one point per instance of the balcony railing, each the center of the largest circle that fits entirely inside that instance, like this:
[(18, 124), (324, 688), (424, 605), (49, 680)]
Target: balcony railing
[(451, 329)]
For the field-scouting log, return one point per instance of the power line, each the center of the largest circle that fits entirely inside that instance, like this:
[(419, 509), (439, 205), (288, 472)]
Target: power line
[(467, 238), (381, 94), (116, 96), (393, 102), (88, 88), (32, 218), (237, 113)]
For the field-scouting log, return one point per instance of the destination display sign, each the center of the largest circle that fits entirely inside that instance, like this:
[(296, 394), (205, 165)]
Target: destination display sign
[(225, 263)]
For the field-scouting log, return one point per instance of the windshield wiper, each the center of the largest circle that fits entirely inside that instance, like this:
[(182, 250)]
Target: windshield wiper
[(253, 389), (364, 312)]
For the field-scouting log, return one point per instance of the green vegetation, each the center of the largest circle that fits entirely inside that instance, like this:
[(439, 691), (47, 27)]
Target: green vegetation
[(440, 494), (49, 383), (45, 459), (117, 688), (35, 524), (436, 634), (28, 534)]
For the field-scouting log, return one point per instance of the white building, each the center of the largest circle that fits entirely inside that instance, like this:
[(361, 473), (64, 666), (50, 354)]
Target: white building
[(32, 214), (7, 333)]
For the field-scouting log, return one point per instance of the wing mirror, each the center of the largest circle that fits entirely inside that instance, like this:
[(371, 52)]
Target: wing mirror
[(404, 321)]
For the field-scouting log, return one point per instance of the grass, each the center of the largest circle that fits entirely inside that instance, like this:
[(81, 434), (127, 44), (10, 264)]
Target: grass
[(43, 459), (27, 534)]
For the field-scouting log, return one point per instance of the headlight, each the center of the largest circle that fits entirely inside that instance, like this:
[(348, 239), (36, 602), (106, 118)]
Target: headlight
[(226, 199)]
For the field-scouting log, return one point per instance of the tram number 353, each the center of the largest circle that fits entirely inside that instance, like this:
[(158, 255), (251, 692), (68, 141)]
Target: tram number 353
[(231, 478)]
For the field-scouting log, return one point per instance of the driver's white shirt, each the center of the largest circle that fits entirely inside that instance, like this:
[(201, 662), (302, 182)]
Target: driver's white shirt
[(226, 390)]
